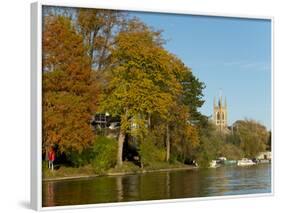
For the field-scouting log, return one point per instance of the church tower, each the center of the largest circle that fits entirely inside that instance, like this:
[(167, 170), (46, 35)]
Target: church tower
[(220, 114)]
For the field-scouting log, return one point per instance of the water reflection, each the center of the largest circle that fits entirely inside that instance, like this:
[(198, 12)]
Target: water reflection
[(50, 195), (119, 188), (160, 185)]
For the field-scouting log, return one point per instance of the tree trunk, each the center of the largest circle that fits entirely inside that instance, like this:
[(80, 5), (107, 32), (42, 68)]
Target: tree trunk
[(102, 56), (121, 140), (149, 120), (183, 149), (167, 143), (93, 36)]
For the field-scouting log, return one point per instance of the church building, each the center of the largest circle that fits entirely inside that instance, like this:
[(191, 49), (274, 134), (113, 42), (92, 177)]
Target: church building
[(220, 114)]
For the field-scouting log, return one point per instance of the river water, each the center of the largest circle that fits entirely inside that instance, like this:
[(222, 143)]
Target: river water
[(230, 180)]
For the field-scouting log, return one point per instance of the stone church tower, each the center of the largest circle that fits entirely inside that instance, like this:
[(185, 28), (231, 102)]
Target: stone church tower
[(220, 114)]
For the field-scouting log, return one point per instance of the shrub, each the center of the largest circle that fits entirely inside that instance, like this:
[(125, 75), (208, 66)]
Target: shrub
[(204, 159), (76, 159), (150, 153), (104, 154), (209, 150)]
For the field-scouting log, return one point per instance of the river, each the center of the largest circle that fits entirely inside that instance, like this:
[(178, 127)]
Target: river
[(229, 180)]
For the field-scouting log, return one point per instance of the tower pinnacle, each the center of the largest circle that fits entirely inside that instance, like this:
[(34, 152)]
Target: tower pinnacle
[(220, 113)]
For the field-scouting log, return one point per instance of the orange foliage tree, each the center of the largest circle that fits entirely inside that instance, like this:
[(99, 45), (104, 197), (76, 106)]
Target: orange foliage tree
[(70, 88)]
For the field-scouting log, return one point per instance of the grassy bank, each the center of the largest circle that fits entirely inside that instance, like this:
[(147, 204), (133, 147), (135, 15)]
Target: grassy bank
[(64, 172)]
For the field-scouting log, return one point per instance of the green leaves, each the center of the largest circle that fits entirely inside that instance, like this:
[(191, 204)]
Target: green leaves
[(149, 152), (145, 80), (98, 61), (142, 79), (104, 154), (253, 137)]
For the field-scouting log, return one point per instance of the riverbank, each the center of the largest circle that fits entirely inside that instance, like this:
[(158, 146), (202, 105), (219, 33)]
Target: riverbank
[(86, 172)]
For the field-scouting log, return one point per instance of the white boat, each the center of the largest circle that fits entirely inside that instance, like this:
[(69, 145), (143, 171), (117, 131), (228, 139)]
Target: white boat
[(245, 162), (213, 164)]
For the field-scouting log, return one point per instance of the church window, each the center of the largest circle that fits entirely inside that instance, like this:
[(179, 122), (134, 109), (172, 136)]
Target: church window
[(218, 116)]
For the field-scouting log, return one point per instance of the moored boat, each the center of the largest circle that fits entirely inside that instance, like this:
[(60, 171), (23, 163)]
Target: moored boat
[(229, 162), (245, 162), (213, 164)]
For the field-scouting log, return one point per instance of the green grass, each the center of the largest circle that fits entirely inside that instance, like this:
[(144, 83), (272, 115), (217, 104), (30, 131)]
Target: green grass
[(127, 167), (64, 171)]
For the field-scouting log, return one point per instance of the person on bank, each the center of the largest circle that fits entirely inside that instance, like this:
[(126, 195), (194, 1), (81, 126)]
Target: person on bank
[(51, 158)]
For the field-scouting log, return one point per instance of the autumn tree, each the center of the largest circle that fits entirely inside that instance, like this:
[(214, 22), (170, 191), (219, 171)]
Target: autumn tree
[(69, 88), (210, 145), (143, 81), (184, 118), (231, 151), (67, 12), (185, 141), (253, 137), (98, 28)]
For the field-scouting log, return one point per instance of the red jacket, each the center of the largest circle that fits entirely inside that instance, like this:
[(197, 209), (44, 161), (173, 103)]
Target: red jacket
[(51, 155)]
